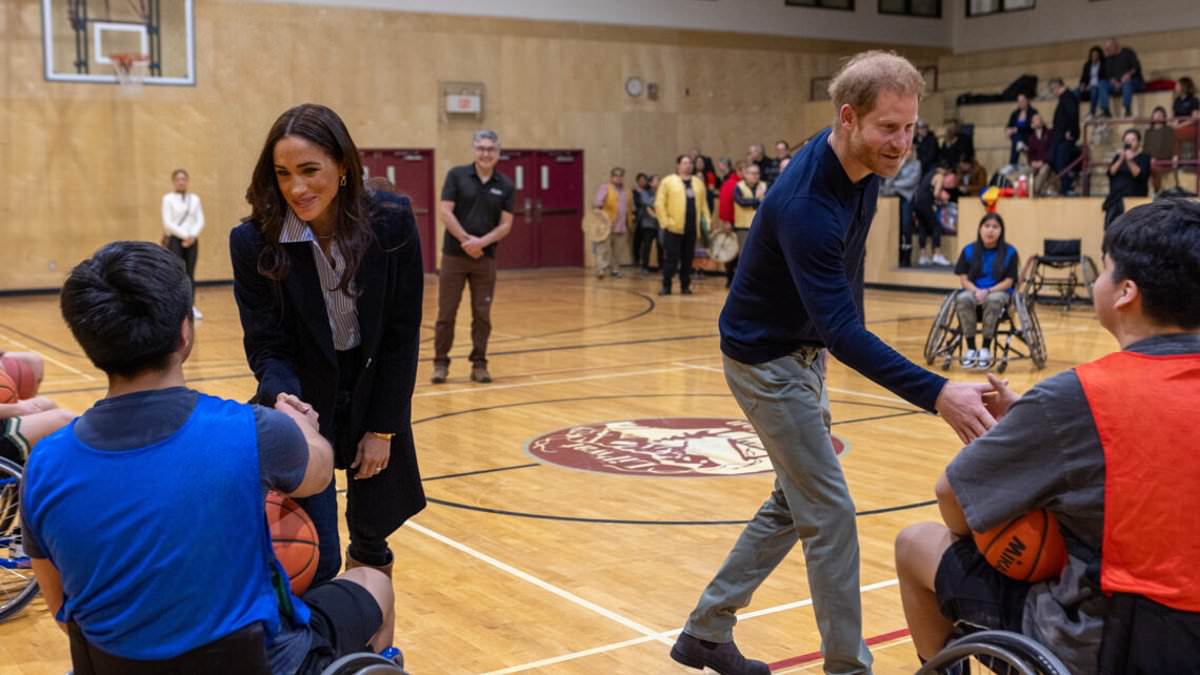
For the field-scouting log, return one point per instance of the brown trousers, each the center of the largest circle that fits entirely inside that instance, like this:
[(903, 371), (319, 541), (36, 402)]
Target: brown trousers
[(457, 271)]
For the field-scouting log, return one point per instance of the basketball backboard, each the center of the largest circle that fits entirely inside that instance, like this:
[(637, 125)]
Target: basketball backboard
[(80, 37)]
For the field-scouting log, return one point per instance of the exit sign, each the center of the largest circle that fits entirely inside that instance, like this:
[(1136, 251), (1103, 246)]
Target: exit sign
[(463, 103)]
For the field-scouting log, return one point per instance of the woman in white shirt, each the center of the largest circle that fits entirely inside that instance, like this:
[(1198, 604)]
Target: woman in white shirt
[(183, 219)]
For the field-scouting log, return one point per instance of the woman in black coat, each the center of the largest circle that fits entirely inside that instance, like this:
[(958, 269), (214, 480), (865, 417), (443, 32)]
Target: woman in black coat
[(328, 283), (1093, 82)]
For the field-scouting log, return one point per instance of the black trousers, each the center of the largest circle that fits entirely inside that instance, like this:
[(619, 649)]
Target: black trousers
[(679, 250), (643, 239), (188, 254)]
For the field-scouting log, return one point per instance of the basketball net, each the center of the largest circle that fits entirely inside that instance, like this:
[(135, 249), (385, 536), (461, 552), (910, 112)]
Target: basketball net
[(130, 70)]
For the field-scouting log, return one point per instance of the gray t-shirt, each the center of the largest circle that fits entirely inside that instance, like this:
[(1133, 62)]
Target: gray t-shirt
[(1046, 454), (145, 418)]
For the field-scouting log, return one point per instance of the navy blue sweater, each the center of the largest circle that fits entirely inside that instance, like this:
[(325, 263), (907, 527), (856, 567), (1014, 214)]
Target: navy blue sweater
[(799, 281)]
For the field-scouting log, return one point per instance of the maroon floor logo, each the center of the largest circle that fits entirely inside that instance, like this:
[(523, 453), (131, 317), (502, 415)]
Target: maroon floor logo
[(670, 446)]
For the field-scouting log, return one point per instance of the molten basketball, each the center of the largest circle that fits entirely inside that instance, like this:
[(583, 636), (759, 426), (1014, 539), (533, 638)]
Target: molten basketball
[(22, 374), (294, 538), (1028, 548), (8, 388)]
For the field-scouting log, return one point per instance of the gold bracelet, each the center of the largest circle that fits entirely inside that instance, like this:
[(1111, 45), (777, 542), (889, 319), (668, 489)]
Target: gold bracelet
[(384, 437)]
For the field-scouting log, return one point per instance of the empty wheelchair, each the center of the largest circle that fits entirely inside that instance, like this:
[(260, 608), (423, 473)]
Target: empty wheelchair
[(1062, 275), (994, 651), (18, 586), (1018, 335)]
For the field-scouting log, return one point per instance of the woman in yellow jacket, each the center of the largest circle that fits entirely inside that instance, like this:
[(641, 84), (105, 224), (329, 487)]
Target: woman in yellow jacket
[(681, 207)]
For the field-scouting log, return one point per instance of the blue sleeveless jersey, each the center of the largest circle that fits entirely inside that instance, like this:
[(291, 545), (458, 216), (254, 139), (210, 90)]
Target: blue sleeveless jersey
[(162, 548)]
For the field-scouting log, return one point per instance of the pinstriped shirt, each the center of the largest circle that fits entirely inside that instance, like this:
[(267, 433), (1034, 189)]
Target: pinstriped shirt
[(341, 308)]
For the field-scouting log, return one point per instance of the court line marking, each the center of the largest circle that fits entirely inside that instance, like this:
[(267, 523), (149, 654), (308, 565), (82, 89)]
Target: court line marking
[(882, 642), (538, 383), (667, 634), (26, 348), (648, 633)]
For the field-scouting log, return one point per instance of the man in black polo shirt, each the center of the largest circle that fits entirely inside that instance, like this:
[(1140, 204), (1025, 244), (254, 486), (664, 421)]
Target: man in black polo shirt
[(477, 209)]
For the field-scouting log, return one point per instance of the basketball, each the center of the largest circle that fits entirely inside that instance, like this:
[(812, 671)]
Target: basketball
[(22, 374), (1028, 548), (8, 388), (294, 538)]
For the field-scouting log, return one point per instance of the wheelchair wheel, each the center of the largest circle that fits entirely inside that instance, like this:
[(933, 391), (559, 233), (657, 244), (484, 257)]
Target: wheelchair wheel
[(362, 664), (1031, 331), (938, 331), (996, 651), (18, 585)]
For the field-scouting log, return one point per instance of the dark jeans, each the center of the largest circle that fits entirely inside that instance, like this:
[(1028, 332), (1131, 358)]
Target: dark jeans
[(175, 245), (1128, 88), (906, 230), (679, 250), (928, 226), (643, 239), (1064, 154), (322, 507), (455, 273)]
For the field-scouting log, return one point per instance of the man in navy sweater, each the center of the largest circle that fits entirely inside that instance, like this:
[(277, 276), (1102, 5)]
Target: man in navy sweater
[(798, 290)]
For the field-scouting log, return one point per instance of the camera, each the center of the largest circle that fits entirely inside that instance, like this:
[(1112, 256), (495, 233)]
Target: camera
[(1128, 146)]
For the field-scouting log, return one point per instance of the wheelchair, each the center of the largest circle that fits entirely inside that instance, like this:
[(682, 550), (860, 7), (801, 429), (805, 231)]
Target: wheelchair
[(1018, 327), (18, 586), (1061, 268), (995, 651)]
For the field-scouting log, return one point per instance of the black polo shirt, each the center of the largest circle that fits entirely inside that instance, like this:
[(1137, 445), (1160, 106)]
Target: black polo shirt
[(477, 205)]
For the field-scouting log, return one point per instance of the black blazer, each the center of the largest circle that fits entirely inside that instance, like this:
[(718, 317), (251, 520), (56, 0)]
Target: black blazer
[(1085, 75), (289, 345)]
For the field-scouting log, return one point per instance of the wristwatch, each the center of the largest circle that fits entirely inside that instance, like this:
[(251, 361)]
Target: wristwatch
[(385, 437)]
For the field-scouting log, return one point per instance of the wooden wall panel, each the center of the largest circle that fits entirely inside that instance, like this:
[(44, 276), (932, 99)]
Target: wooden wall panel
[(86, 164)]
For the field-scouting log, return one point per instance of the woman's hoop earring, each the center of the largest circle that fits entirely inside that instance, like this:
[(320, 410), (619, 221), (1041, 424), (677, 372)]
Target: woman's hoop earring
[(342, 182)]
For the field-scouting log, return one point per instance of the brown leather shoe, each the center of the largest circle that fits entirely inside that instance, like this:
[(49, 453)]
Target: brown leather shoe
[(440, 373), (480, 374)]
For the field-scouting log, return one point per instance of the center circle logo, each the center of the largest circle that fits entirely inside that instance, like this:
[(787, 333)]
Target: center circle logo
[(661, 446)]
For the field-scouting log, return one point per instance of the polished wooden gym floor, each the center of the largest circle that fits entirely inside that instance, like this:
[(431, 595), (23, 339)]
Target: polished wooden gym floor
[(523, 566)]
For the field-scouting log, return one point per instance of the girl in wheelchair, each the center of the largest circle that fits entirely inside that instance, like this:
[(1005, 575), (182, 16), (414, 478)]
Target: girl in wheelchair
[(988, 272)]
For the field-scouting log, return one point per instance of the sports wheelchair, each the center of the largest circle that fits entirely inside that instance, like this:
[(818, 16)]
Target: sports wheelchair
[(1018, 327), (18, 586), (994, 651)]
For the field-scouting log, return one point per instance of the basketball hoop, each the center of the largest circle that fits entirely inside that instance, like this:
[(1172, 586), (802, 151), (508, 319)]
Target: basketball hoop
[(130, 70)]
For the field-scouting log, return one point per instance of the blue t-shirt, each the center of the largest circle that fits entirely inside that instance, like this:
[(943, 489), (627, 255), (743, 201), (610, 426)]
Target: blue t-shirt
[(799, 280), (986, 278), (150, 505)]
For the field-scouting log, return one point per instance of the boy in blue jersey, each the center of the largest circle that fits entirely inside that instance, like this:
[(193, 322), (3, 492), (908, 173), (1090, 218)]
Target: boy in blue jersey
[(145, 516)]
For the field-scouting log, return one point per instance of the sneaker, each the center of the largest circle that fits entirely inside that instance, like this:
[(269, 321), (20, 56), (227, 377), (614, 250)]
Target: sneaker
[(616, 272), (940, 260), (985, 359), (970, 358), (664, 291), (196, 314), (440, 373), (723, 657), (480, 374), (923, 260), (685, 291)]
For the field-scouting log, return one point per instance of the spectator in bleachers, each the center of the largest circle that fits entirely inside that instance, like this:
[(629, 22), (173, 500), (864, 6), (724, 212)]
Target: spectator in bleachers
[(1017, 129), (956, 145), (1186, 104), (1160, 145), (904, 186), (1040, 144), (972, 177), (932, 191), (1065, 133), (1124, 72), (927, 147), (1128, 176), (1093, 82)]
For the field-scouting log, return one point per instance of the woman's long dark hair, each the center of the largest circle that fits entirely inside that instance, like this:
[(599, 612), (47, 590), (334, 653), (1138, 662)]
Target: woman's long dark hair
[(1096, 50), (1188, 86), (998, 265), (322, 127)]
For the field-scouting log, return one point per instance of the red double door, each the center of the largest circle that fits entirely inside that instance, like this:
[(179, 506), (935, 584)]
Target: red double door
[(548, 209), (411, 171), (548, 205)]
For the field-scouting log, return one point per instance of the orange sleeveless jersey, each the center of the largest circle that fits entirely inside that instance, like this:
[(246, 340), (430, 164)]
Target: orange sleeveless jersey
[(1143, 407)]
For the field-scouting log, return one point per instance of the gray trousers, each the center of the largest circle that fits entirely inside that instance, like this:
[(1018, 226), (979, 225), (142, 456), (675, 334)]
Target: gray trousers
[(788, 405), (993, 308)]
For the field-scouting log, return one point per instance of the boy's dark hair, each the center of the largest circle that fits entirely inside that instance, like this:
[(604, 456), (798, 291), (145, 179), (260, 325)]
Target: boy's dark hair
[(1157, 246), (125, 305)]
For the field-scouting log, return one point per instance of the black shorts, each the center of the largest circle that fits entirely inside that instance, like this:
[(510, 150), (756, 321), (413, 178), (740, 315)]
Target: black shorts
[(344, 618), (13, 445), (973, 595)]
